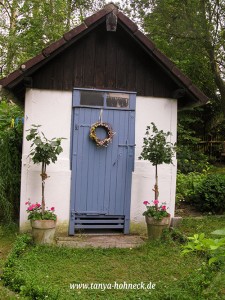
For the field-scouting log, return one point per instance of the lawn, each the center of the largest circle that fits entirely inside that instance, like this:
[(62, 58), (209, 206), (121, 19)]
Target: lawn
[(54, 273), (7, 238)]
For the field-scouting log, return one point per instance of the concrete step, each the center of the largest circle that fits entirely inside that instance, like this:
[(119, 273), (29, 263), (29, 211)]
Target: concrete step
[(100, 241)]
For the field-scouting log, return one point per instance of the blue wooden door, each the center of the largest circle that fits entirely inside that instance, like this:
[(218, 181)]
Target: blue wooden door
[(101, 176)]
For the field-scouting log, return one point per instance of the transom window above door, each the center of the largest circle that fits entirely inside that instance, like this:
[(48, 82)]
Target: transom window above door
[(103, 99)]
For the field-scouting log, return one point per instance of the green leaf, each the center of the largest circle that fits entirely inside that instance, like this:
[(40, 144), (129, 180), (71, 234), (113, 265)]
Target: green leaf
[(213, 259)]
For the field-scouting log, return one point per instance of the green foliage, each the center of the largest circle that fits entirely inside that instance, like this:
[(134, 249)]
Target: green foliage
[(187, 184), (178, 235), (214, 248), (35, 212), (16, 281), (53, 268), (188, 33), (19, 247), (30, 25), (48, 271), (156, 148), (189, 157), (155, 211), (191, 160), (43, 150), (10, 162), (21, 244), (210, 194)]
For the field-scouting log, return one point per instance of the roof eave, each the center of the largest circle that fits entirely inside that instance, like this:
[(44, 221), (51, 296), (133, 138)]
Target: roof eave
[(30, 66)]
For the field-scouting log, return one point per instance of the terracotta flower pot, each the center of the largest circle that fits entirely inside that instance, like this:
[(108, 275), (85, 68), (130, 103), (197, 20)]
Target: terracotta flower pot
[(155, 227), (43, 231)]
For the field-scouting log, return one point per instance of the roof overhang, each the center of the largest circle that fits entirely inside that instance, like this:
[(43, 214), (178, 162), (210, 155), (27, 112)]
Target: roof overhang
[(17, 81)]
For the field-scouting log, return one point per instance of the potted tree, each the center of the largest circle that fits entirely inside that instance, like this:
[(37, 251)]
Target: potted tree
[(157, 150), (43, 151)]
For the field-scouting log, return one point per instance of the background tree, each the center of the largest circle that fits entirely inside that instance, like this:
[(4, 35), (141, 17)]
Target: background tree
[(192, 34), (27, 26)]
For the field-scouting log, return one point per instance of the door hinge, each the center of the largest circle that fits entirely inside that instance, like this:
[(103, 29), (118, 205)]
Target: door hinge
[(73, 214), (127, 145)]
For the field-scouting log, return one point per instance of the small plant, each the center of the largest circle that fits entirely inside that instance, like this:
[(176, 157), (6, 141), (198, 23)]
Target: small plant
[(155, 211), (43, 151), (213, 248), (35, 212), (157, 150)]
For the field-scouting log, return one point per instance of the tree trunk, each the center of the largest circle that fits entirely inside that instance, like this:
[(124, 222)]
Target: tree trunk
[(13, 11), (210, 48), (43, 178), (156, 188)]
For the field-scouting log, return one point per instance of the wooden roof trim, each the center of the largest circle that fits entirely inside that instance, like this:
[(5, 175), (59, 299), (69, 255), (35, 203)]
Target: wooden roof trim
[(74, 32), (162, 58), (130, 24), (91, 21), (46, 52), (31, 62)]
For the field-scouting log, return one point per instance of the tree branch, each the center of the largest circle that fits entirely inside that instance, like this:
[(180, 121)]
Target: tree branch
[(1, 3)]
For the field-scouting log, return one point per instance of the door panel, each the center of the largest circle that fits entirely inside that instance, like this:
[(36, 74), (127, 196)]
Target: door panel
[(101, 176)]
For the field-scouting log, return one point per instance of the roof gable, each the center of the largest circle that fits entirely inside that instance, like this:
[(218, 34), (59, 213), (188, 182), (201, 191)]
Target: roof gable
[(185, 88)]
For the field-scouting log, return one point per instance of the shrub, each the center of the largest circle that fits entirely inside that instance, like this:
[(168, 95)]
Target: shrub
[(187, 185), (210, 194), (190, 160), (189, 157), (11, 129)]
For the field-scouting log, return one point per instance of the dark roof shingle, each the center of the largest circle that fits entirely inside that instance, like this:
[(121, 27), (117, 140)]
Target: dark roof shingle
[(17, 76)]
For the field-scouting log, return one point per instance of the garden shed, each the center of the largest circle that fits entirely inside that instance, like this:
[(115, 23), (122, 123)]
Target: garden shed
[(104, 70)]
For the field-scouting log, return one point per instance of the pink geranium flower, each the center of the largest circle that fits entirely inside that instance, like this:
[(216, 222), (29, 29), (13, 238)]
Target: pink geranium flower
[(35, 212), (157, 211), (146, 203)]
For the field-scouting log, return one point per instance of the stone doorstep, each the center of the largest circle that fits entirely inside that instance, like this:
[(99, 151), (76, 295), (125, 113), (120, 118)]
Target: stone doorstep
[(175, 221), (100, 241)]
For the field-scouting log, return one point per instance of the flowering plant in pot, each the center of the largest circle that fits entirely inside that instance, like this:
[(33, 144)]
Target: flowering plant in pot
[(155, 211), (157, 150), (35, 212), (43, 151)]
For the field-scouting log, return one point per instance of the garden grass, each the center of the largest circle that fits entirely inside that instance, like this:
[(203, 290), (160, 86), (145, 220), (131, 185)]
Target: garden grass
[(7, 238), (57, 268), (159, 262), (205, 224)]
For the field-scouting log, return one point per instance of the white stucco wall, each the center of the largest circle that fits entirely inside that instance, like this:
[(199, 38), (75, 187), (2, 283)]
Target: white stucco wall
[(163, 112), (53, 110)]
